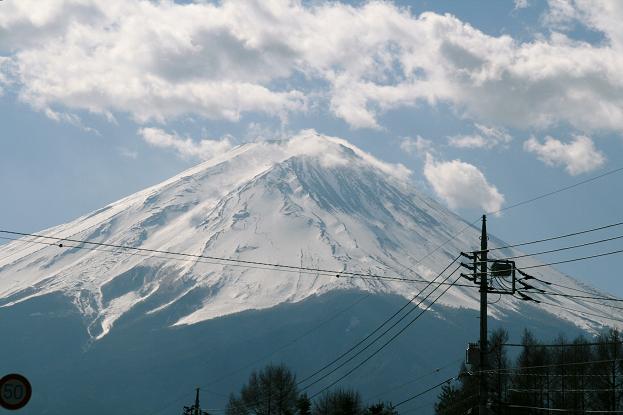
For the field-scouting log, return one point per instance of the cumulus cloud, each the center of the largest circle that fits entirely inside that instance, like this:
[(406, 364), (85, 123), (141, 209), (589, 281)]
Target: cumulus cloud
[(484, 137), (330, 150), (419, 145), (185, 147), (578, 156), (234, 57), (462, 185), (603, 16)]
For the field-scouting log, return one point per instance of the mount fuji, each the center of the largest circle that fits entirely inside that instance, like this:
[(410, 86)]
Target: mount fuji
[(90, 315)]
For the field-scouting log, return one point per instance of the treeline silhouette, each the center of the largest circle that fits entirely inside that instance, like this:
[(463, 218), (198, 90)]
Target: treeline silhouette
[(577, 376), (273, 391)]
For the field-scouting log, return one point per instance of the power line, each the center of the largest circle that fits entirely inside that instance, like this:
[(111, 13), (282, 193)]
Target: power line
[(567, 260), (30, 243), (583, 298), (561, 390), (378, 328), (553, 238), (560, 344), (388, 341), (560, 190), (451, 238), (574, 289), (559, 249), (417, 395), (558, 294), (542, 196), (582, 312), (378, 337), (519, 369), (559, 375), (415, 307), (402, 385), (602, 304), (378, 350), (225, 261), (159, 251), (573, 309), (563, 410), (296, 339), (359, 300)]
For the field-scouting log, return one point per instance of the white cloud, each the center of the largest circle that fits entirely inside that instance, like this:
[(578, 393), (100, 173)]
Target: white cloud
[(468, 141), (578, 156), (602, 16), (462, 185), (485, 137), (234, 57), (309, 142), (521, 4), (419, 145), (185, 147), (127, 153)]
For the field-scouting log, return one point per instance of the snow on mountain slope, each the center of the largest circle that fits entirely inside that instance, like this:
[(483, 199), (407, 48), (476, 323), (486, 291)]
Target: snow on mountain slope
[(312, 200)]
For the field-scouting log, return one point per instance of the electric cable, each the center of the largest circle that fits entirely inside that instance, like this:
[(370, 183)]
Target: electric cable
[(402, 385), (542, 196), (296, 339), (225, 261), (378, 328), (538, 408), (378, 350), (417, 395), (555, 250)]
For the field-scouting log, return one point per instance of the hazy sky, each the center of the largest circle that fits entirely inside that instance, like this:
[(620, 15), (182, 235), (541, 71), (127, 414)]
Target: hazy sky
[(487, 102)]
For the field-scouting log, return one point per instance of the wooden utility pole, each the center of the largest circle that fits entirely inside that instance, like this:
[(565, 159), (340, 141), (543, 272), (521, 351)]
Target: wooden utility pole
[(484, 275), (197, 410)]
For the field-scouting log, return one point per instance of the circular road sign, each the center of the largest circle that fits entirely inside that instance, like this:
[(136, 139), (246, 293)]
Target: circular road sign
[(15, 391)]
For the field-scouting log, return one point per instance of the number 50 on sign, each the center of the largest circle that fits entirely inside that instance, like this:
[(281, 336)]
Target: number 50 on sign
[(15, 391)]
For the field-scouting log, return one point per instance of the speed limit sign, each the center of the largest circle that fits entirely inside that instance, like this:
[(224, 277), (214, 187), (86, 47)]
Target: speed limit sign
[(15, 391)]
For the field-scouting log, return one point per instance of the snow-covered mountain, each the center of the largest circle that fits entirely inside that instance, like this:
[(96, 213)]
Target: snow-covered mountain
[(311, 201)]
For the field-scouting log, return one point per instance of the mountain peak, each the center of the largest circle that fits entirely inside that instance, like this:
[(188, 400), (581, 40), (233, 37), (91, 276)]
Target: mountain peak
[(312, 201), (328, 150)]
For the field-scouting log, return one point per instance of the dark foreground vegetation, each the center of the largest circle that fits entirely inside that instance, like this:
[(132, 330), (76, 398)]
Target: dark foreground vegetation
[(581, 375), (274, 391), (566, 376)]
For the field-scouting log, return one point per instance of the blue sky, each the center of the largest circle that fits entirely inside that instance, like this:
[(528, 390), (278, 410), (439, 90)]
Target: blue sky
[(487, 102)]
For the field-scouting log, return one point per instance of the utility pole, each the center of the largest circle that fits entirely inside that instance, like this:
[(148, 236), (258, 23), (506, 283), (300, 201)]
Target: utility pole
[(194, 409), (615, 345), (499, 269), (484, 275), (197, 410)]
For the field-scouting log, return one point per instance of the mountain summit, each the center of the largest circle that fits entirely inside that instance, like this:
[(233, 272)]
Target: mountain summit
[(311, 201)]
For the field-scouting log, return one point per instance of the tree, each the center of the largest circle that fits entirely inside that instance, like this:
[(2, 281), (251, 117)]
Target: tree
[(498, 361), (272, 391), (303, 405), (458, 400), (530, 383), (450, 401), (339, 402), (381, 408)]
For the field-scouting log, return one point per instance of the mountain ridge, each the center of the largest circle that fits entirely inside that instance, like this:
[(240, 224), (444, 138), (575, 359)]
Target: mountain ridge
[(312, 200)]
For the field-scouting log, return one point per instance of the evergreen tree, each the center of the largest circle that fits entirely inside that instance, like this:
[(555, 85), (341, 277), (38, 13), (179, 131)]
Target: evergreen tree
[(303, 405), (498, 361), (530, 382), (457, 400), (381, 408), (272, 391), (339, 402), (606, 373)]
